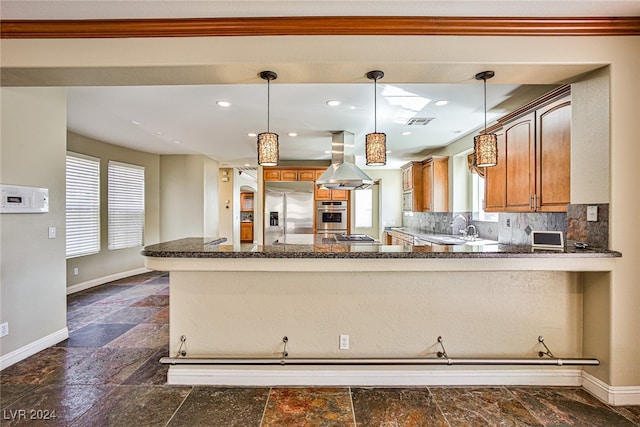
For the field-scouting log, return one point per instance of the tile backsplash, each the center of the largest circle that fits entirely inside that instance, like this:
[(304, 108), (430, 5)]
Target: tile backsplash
[(515, 228)]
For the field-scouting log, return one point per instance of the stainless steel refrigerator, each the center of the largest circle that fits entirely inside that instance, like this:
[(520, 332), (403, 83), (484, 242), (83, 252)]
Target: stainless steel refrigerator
[(288, 208)]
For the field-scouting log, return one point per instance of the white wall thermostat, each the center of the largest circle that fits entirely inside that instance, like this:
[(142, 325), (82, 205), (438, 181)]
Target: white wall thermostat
[(20, 199)]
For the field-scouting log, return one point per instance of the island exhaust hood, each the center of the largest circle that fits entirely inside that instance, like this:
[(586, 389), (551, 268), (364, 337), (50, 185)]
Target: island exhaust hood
[(343, 174)]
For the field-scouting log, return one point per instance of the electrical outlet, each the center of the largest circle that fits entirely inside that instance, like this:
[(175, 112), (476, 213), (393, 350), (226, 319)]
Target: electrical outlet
[(592, 213), (52, 232), (76, 271), (344, 342), (4, 329)]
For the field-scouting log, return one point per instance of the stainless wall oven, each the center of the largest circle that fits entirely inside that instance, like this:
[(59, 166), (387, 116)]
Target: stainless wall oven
[(331, 216)]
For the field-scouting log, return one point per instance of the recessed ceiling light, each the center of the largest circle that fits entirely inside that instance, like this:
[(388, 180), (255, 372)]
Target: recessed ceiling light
[(247, 165), (252, 135), (333, 103), (406, 132), (135, 122), (441, 102), (327, 152), (158, 133), (223, 104), (177, 142), (292, 134)]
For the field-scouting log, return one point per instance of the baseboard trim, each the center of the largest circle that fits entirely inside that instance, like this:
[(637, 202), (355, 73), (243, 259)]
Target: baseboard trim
[(33, 348), (284, 376), (612, 395), (105, 279)]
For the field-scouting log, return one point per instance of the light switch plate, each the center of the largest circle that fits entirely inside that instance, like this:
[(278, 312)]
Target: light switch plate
[(52, 232), (592, 213)]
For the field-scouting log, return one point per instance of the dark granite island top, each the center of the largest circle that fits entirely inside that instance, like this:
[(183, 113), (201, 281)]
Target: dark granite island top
[(209, 248), (423, 258)]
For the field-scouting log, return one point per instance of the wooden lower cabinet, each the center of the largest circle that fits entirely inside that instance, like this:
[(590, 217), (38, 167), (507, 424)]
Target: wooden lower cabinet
[(246, 232)]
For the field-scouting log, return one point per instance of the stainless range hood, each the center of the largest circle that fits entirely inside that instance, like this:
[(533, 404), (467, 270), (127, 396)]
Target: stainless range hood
[(343, 174)]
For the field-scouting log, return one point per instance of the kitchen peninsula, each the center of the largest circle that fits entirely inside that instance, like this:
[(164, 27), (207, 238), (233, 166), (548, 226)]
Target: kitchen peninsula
[(393, 301)]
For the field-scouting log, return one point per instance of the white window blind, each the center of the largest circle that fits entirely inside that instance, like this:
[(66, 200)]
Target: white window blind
[(125, 205), (82, 205)]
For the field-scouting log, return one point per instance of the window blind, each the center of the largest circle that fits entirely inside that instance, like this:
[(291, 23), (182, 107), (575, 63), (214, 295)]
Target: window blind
[(125, 205), (82, 205)]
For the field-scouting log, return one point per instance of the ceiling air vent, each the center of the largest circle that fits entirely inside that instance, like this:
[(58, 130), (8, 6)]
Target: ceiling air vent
[(419, 121)]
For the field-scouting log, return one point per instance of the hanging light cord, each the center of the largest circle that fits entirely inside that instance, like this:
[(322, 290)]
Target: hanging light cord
[(375, 106), (269, 101), (485, 104)]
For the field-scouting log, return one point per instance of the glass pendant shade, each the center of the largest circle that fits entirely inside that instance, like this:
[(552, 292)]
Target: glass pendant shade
[(375, 145), (268, 149), (485, 148), (376, 149)]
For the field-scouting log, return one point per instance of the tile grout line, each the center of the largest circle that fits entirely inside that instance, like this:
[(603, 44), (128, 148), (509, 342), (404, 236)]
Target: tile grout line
[(266, 404), (435, 401), (353, 408), (179, 406)]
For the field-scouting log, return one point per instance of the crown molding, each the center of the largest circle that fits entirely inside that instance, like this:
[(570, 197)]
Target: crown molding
[(320, 26)]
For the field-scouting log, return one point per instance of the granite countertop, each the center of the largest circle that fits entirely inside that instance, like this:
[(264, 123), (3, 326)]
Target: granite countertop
[(198, 247)]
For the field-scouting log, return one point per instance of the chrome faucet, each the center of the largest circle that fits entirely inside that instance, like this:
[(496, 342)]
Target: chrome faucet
[(462, 230), (474, 235)]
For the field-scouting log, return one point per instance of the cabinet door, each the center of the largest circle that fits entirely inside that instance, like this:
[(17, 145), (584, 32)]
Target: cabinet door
[(427, 186), (288, 175), (339, 194), (553, 156), (439, 185), (271, 175), (246, 232), (323, 194), (520, 143), (306, 175), (495, 190)]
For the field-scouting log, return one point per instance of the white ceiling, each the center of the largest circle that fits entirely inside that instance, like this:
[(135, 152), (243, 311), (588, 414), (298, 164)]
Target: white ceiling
[(188, 113)]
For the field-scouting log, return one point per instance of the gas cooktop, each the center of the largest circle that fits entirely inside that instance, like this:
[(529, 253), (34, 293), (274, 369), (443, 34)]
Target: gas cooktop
[(354, 238)]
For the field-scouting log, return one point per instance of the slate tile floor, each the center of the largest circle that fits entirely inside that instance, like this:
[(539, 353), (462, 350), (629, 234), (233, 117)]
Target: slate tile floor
[(107, 374)]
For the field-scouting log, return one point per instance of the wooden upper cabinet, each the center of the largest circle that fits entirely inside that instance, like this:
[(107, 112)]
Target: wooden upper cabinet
[(520, 145), (288, 175), (534, 158), (495, 190), (553, 156), (412, 187), (307, 175), (271, 175), (435, 184)]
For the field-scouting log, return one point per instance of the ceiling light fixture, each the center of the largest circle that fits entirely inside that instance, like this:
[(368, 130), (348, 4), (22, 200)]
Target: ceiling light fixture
[(268, 141), (333, 103), (224, 104), (485, 146), (441, 102), (375, 143), (292, 134)]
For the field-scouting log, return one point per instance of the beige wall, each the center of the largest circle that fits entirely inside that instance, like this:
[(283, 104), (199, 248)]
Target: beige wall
[(106, 263), (415, 58), (32, 266), (188, 187)]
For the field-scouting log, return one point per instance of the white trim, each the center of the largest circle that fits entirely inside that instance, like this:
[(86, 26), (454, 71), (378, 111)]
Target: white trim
[(286, 376), (105, 279), (30, 349), (612, 395)]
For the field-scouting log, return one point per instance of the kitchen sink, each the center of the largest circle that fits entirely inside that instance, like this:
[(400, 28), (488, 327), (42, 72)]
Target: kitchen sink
[(445, 239)]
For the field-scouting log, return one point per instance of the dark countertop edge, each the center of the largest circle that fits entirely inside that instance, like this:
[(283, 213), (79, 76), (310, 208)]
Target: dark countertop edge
[(379, 255)]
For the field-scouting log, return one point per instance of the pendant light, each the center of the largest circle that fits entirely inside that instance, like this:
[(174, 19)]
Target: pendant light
[(375, 143), (268, 151), (485, 146)]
